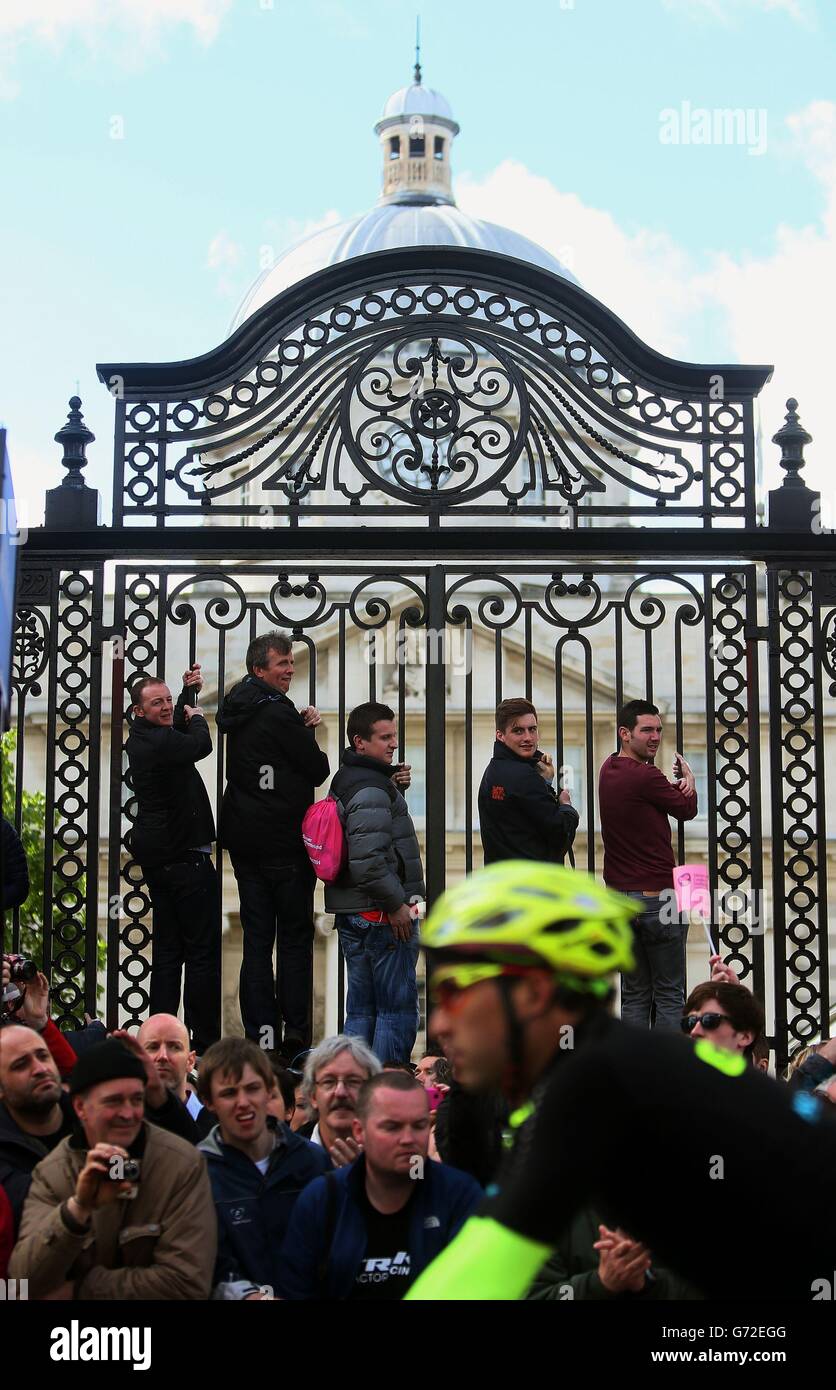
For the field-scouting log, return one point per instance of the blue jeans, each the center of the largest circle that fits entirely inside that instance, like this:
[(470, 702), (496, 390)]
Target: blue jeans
[(659, 976), (382, 1003)]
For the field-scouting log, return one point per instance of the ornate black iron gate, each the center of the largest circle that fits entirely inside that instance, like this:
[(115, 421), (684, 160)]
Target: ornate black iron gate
[(451, 477)]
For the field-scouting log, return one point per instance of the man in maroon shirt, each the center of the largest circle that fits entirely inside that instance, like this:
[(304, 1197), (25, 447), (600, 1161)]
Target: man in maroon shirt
[(636, 799)]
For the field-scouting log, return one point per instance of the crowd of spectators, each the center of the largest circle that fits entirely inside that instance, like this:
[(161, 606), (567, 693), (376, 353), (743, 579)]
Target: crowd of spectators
[(179, 1164)]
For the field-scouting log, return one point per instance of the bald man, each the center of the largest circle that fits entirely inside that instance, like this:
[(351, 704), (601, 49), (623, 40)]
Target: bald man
[(166, 1041)]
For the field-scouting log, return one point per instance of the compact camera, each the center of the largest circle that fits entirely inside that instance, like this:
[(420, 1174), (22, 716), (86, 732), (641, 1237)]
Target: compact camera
[(127, 1171), (21, 970)]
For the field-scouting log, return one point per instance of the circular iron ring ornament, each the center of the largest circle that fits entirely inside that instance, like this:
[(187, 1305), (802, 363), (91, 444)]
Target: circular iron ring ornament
[(440, 389)]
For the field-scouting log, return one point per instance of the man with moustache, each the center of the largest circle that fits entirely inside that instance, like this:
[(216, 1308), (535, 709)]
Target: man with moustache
[(366, 1231), (257, 1168), (334, 1073), (91, 1229)]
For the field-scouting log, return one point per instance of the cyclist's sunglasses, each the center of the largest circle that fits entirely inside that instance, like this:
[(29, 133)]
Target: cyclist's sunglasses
[(709, 1022), (447, 982)]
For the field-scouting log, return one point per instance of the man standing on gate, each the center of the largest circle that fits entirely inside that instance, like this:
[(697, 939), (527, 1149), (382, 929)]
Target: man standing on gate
[(375, 899), (172, 841), (273, 765), (520, 815), (636, 799)]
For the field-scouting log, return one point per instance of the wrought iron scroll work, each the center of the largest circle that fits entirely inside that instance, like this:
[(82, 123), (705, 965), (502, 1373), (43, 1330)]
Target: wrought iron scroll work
[(798, 827), (439, 396)]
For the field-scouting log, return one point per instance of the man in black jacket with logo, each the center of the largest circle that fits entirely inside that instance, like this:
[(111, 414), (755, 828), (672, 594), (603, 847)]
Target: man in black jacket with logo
[(273, 765), (520, 816), (172, 840)]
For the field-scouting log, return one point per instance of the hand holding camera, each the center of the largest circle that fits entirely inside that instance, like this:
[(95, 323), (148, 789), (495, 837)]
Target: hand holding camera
[(109, 1175), (17, 973)]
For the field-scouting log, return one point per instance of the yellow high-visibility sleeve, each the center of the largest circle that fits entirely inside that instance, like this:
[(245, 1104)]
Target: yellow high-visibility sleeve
[(485, 1261)]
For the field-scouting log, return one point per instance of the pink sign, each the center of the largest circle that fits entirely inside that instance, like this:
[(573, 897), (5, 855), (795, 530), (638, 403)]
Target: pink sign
[(690, 882)]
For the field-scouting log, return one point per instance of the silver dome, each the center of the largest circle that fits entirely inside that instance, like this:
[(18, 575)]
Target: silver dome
[(417, 100), (392, 225)]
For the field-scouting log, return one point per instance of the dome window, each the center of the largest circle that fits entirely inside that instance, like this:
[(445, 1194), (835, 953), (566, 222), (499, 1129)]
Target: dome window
[(395, 147), (438, 149), (416, 146)]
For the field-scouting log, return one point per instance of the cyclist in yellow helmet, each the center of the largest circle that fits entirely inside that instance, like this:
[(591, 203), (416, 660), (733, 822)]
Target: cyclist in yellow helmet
[(520, 964)]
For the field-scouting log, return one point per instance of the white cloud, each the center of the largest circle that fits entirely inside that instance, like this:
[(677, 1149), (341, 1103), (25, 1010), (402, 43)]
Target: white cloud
[(224, 255), (131, 28), (54, 19), (777, 308), (729, 11), (617, 267), (222, 251)]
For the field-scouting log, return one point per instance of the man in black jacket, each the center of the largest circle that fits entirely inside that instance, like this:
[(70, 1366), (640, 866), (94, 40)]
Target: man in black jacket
[(172, 840), (520, 816), (273, 765)]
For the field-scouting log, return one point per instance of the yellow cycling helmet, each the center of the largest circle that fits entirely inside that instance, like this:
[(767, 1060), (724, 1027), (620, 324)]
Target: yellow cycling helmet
[(524, 913)]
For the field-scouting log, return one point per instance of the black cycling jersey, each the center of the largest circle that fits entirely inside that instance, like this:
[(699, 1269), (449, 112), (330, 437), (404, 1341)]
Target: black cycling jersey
[(729, 1179)]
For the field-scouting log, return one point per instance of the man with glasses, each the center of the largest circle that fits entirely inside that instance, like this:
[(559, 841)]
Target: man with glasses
[(334, 1073)]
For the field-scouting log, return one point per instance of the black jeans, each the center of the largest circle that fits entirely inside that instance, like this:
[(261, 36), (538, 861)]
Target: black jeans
[(659, 976), (276, 914), (187, 932)]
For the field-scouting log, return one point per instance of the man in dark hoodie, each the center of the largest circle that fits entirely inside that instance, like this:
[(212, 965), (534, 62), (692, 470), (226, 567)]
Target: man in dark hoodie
[(273, 765), (520, 815), (374, 897), (172, 840)]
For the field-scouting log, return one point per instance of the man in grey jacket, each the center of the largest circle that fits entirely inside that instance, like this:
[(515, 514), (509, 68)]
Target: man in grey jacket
[(374, 898)]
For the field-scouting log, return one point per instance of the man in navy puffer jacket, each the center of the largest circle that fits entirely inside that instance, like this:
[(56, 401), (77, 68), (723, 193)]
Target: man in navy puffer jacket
[(257, 1168), (367, 1230)]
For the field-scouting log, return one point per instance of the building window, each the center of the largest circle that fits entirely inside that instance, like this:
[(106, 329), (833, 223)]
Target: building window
[(416, 146), (395, 147), (438, 150)]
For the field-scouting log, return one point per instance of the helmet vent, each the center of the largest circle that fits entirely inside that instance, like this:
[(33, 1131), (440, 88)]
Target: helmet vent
[(568, 925), (497, 919)]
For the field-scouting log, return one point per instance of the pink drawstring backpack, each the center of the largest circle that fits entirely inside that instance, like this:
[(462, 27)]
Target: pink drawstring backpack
[(324, 839)]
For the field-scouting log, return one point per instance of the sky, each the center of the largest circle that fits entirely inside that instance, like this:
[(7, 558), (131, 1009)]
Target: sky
[(150, 150)]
